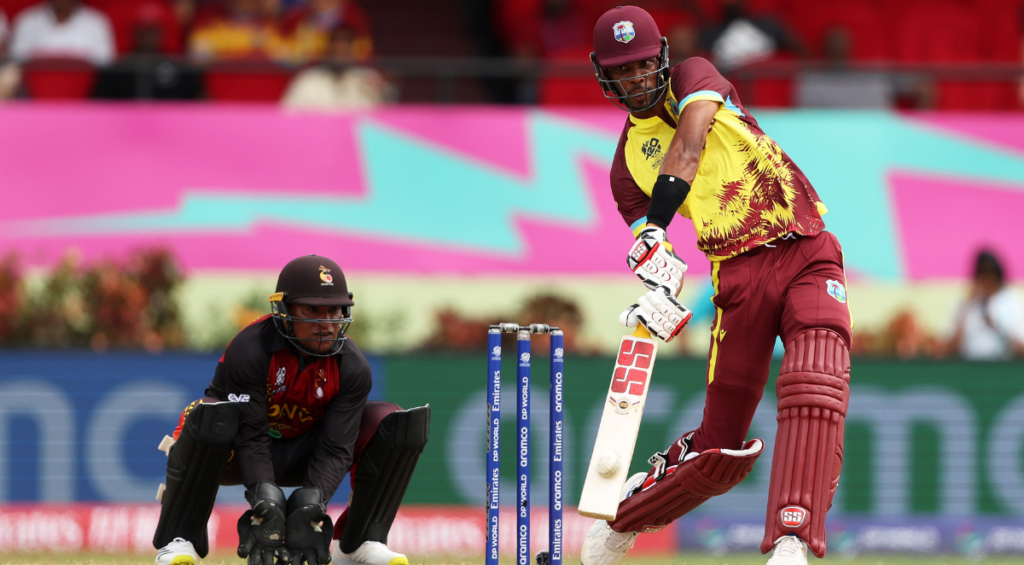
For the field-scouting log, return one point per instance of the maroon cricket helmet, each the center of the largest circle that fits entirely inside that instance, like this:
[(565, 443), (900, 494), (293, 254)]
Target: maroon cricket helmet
[(627, 34)]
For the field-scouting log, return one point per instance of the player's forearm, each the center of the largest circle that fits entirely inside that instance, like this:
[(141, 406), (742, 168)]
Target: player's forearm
[(683, 157), (682, 163)]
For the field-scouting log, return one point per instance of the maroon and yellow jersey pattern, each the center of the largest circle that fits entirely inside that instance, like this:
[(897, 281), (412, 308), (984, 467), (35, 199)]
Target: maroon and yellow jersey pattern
[(747, 191), (298, 399)]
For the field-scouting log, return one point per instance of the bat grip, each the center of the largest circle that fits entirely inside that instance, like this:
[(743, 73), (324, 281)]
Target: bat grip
[(641, 332)]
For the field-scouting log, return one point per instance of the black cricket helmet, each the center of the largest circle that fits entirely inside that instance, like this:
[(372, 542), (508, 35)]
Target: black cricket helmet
[(311, 280)]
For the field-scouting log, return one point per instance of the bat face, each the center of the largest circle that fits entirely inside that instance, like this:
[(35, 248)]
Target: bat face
[(620, 422)]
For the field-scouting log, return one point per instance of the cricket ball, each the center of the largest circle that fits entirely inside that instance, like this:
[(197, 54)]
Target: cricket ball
[(608, 464)]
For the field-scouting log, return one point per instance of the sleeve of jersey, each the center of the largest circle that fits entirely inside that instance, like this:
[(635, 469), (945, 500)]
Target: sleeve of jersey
[(333, 456), (244, 369), (630, 200), (697, 79)]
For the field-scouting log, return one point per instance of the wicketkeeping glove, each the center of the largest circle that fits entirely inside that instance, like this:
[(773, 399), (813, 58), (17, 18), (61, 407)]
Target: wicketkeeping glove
[(261, 529), (659, 312), (653, 260), (310, 529)]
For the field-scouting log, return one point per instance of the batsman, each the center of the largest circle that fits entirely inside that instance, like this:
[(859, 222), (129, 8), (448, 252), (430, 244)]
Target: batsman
[(288, 407), (690, 147)]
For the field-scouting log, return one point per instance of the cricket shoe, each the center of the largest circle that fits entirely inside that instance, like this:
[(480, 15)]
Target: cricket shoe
[(178, 552), (605, 546), (789, 550), (370, 553)]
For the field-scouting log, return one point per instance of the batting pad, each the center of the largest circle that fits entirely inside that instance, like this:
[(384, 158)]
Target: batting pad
[(814, 392), (194, 465), (710, 473), (382, 475)]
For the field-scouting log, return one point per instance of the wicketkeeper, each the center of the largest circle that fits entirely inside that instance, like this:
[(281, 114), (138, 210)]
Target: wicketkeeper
[(689, 146), (288, 407)]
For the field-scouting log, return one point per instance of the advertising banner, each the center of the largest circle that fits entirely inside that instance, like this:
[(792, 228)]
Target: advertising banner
[(934, 453), (236, 187)]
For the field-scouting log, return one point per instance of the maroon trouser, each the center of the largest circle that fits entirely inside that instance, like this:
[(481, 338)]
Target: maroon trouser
[(778, 289)]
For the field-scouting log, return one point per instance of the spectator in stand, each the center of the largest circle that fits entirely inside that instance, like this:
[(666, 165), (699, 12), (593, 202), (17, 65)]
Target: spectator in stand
[(310, 29), (63, 28), (10, 74), (248, 29), (146, 72), (340, 82), (838, 86), (3, 35), (989, 326), (742, 38)]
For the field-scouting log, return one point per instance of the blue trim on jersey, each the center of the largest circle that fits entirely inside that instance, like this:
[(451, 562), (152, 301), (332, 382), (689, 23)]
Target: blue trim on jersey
[(700, 93), (732, 107), (638, 223)]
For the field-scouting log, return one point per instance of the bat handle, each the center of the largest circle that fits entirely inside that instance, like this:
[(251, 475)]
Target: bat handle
[(641, 332)]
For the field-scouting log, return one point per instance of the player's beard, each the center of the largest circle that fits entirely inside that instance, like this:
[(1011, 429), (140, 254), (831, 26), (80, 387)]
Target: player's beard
[(640, 104)]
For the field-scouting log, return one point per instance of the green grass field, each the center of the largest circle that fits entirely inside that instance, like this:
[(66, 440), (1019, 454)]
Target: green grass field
[(679, 559)]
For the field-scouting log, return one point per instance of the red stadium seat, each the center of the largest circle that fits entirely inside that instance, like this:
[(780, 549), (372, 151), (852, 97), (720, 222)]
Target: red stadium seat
[(12, 7), (246, 81), (571, 91), (1001, 43), (945, 33), (58, 79), (866, 24)]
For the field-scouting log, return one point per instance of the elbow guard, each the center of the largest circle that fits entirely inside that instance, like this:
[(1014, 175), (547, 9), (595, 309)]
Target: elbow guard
[(668, 195)]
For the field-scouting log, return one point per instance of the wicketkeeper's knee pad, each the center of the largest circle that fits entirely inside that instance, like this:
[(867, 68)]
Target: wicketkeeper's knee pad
[(671, 491), (382, 474), (194, 465), (814, 392)]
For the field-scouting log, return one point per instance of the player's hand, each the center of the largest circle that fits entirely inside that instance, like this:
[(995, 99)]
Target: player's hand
[(261, 529), (659, 312), (653, 260), (310, 529)]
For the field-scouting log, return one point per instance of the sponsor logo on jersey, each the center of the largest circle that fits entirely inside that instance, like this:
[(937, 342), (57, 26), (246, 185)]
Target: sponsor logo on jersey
[(238, 398), (624, 31), (836, 290), (793, 516), (280, 376), (651, 147), (326, 276)]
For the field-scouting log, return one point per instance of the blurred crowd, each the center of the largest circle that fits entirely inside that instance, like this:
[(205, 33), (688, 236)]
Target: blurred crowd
[(864, 53), (178, 40), (986, 325)]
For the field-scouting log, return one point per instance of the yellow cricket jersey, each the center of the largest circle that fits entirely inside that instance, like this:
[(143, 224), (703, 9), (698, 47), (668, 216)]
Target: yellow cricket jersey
[(747, 192)]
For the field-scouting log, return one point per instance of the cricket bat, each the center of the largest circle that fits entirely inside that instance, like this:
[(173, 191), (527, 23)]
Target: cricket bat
[(620, 422)]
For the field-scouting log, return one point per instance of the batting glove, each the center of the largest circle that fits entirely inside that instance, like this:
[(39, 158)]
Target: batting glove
[(659, 312), (653, 260)]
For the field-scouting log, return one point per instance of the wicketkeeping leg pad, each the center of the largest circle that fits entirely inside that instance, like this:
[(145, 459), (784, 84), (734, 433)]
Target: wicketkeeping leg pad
[(382, 475), (711, 473), (194, 466), (813, 392)]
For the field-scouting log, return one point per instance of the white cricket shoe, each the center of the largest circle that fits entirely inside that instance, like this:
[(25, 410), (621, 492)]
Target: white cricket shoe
[(789, 550), (605, 546), (370, 553), (178, 552)]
